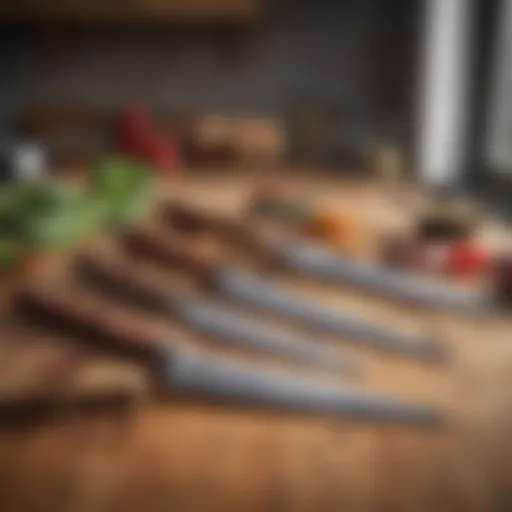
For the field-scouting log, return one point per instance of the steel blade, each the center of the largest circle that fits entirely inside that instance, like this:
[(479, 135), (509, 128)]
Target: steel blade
[(239, 329), (324, 264), (221, 380)]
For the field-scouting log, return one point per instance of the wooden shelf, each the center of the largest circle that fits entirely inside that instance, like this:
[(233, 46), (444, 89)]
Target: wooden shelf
[(130, 10)]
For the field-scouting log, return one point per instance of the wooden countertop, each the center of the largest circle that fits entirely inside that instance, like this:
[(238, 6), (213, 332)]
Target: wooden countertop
[(187, 456)]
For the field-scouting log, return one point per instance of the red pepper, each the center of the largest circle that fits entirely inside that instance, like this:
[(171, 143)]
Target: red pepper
[(466, 259), (134, 130), (162, 154), (137, 138)]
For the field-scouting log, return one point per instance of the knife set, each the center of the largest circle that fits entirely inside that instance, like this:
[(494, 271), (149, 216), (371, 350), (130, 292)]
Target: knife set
[(218, 378)]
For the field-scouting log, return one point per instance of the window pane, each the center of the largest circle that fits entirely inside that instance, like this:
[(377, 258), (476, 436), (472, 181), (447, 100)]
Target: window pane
[(499, 136)]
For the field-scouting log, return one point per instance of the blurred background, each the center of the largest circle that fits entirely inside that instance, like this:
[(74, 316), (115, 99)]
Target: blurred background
[(342, 73), (339, 78), (161, 137)]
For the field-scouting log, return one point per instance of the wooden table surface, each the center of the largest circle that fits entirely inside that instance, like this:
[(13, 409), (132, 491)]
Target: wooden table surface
[(169, 454)]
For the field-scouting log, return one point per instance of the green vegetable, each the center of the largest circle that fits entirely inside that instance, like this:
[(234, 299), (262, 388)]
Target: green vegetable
[(22, 205), (52, 214), (126, 185), (60, 226), (10, 252)]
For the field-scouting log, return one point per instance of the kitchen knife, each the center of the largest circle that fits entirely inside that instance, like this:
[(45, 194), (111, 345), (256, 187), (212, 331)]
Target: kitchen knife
[(126, 281), (313, 259), (215, 378), (322, 263), (250, 290)]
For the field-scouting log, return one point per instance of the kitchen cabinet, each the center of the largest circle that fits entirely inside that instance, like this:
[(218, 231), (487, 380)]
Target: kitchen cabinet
[(130, 10)]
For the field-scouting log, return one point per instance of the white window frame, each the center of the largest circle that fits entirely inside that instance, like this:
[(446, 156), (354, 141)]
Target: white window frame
[(444, 91)]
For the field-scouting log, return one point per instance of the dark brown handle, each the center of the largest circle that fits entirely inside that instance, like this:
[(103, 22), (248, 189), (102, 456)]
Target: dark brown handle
[(121, 279), (168, 253), (190, 219), (91, 321)]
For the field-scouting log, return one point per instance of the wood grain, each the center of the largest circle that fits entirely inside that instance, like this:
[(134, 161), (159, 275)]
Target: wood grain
[(177, 455)]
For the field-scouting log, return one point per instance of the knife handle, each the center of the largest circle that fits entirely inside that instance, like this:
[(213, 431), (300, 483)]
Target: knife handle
[(91, 321), (190, 219), (145, 244), (120, 278)]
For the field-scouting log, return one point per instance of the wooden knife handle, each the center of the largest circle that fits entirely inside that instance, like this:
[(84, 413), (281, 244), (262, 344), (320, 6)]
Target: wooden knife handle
[(190, 219), (91, 321), (168, 253), (122, 279)]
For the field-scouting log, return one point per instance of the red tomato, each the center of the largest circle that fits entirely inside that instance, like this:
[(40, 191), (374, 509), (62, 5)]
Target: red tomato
[(466, 259)]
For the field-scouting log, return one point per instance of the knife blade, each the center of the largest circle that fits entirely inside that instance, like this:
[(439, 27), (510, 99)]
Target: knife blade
[(245, 385), (126, 282), (214, 378), (250, 290), (319, 262)]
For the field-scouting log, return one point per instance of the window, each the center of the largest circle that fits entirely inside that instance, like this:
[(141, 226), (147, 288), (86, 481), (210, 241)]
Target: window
[(498, 142)]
